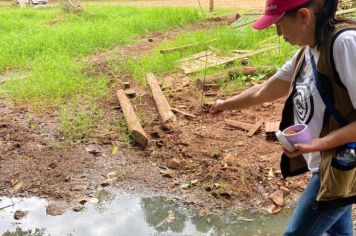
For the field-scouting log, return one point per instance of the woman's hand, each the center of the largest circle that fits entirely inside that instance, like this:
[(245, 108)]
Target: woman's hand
[(216, 108), (316, 145)]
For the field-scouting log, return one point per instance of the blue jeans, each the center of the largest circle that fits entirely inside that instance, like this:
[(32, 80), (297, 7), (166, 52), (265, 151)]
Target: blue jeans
[(309, 220)]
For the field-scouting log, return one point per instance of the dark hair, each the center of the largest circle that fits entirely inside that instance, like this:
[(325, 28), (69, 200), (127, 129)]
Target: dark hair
[(325, 14)]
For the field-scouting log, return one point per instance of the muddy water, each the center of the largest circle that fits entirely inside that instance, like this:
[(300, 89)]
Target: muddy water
[(121, 214)]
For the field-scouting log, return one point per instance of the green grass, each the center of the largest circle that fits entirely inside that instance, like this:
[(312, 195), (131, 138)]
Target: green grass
[(227, 39), (51, 47)]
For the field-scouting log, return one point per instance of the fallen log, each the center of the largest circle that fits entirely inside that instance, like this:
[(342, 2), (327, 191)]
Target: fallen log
[(162, 104), (132, 120)]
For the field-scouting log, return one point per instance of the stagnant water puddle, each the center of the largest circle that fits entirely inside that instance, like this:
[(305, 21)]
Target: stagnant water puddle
[(121, 214)]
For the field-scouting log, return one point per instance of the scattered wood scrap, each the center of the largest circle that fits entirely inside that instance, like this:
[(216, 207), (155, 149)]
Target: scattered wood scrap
[(239, 125), (255, 128), (186, 114), (164, 109), (251, 128), (169, 50), (213, 60), (270, 129), (131, 93), (132, 120)]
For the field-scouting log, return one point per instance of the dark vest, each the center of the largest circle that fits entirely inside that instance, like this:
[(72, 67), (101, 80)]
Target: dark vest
[(338, 187)]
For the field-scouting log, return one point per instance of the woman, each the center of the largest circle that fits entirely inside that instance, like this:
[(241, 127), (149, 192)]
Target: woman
[(323, 70)]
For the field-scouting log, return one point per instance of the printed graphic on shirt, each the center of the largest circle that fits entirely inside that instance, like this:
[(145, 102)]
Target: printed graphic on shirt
[(303, 98)]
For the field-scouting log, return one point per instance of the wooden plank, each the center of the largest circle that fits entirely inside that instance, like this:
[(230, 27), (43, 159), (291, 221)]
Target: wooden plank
[(164, 109), (231, 59), (239, 125), (255, 128), (132, 120)]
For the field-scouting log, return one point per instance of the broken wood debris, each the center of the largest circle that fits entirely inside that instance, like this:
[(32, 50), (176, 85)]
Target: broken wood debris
[(131, 93), (210, 79), (239, 125), (212, 60), (271, 127), (168, 50), (132, 120), (255, 128), (183, 113), (164, 109), (126, 85)]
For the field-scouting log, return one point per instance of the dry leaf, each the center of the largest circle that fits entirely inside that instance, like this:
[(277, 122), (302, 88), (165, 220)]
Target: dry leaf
[(114, 149)]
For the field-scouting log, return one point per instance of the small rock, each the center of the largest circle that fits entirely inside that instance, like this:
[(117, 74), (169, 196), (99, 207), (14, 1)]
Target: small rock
[(54, 209), (273, 209), (168, 173), (240, 143), (78, 208), (150, 40), (83, 201), (230, 159), (20, 214), (173, 163), (285, 190), (278, 198)]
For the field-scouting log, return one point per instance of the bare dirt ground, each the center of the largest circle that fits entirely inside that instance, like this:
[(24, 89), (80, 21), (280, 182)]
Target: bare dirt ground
[(36, 161)]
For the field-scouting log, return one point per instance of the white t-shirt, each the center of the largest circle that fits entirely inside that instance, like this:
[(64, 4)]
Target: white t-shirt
[(308, 107)]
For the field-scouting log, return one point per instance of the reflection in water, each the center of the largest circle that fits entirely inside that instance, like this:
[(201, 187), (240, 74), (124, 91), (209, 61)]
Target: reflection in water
[(115, 214), (20, 232), (157, 211)]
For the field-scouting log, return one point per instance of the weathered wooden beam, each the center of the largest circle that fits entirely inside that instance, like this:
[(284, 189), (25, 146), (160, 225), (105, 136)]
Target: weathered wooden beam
[(255, 128), (164, 109), (132, 120), (239, 125), (230, 60)]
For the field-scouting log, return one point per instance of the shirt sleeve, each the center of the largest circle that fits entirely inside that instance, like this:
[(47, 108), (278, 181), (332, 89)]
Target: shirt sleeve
[(345, 61), (286, 72)]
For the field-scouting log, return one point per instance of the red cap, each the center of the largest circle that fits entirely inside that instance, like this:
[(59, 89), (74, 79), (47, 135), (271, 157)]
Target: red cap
[(275, 10)]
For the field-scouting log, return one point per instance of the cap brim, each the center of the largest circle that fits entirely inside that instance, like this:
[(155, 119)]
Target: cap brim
[(266, 21)]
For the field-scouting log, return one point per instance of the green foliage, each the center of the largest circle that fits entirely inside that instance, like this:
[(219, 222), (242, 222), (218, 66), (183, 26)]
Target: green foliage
[(227, 39), (51, 47)]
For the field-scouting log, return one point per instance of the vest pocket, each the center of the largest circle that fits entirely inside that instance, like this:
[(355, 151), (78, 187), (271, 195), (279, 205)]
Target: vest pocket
[(342, 166)]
